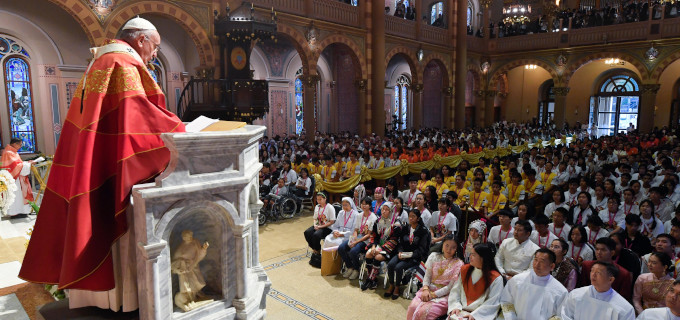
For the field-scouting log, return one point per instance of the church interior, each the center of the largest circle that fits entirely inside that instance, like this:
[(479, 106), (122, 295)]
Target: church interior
[(350, 67)]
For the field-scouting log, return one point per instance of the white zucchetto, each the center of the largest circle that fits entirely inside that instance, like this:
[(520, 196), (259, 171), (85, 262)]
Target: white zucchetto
[(138, 23)]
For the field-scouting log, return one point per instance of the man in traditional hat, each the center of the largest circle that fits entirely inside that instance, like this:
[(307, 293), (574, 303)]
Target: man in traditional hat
[(110, 142)]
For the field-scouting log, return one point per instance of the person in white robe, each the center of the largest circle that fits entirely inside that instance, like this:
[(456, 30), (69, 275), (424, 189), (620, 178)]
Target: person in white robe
[(514, 255), (344, 224), (672, 309), (598, 301), (534, 294)]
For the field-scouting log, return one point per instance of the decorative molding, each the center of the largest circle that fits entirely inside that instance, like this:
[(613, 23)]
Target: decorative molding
[(311, 80), (361, 84), (649, 88), (561, 91), (418, 88)]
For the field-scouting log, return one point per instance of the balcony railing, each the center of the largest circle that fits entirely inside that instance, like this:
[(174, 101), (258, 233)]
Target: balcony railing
[(287, 6), (435, 35), (400, 27), (336, 11), (646, 30)]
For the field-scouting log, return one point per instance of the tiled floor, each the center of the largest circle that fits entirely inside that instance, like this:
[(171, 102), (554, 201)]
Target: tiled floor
[(298, 290)]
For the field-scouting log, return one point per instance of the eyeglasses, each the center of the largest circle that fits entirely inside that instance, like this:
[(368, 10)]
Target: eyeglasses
[(157, 47)]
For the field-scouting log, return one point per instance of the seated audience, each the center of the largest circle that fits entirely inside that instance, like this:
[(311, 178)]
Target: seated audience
[(504, 230), (475, 235), (324, 217), (442, 223), (604, 252), (383, 243), (542, 235), (650, 288), (412, 248), (566, 269), (349, 249), (672, 309)]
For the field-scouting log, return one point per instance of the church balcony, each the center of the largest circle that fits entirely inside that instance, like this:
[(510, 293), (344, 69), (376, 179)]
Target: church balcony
[(400, 27), (568, 37), (435, 35), (336, 11)]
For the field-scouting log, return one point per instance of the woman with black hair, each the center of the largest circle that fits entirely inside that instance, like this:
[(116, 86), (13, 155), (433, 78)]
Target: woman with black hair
[(412, 248), (424, 180), (431, 198), (651, 288), (579, 248), (442, 270), (478, 289), (582, 210), (391, 189)]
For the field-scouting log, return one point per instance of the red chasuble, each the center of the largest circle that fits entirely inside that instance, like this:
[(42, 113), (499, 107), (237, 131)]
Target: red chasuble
[(108, 144), (11, 161)]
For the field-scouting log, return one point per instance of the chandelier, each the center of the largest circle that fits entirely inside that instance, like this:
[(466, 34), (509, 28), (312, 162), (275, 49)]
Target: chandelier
[(530, 66), (516, 13), (614, 62)]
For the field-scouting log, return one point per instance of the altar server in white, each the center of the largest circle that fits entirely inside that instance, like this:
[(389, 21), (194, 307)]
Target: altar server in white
[(534, 294), (598, 301)]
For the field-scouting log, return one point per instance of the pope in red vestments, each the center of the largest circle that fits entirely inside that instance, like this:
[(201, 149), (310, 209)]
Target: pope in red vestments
[(110, 142)]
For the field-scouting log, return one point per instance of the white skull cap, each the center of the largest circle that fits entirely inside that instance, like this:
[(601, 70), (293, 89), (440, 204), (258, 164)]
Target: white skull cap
[(138, 23)]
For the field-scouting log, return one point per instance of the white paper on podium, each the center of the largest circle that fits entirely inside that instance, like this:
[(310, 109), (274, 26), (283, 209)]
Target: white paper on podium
[(199, 124)]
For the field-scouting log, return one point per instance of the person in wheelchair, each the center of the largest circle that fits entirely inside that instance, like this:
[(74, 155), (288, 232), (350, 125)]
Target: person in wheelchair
[(412, 248), (302, 187), (279, 190), (384, 242)]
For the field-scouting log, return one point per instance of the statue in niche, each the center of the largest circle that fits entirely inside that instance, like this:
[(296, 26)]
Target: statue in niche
[(185, 264)]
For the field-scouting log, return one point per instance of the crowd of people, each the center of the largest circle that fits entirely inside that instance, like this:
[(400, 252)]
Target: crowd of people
[(584, 17), (588, 230)]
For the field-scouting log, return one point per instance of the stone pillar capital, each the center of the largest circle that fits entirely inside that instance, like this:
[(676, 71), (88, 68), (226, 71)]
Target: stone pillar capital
[(650, 88), (361, 84), (310, 80), (561, 91), (417, 88)]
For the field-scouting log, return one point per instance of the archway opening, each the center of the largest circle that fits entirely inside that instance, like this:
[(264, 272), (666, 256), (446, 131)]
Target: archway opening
[(616, 104), (399, 93), (546, 102)]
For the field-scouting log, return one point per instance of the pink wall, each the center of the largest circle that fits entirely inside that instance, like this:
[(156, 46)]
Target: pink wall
[(432, 96)]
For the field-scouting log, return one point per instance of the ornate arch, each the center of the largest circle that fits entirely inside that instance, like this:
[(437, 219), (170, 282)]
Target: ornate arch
[(475, 74), (443, 63), (301, 46), (662, 65), (516, 63), (338, 38), (85, 17), (201, 39), (573, 67), (410, 57)]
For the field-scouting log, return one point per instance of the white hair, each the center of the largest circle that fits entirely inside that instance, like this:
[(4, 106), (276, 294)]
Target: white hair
[(129, 35)]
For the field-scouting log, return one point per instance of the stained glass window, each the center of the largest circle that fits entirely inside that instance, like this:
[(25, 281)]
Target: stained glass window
[(18, 85), (299, 89), (157, 70), (469, 15), (401, 101), (436, 10), (355, 3)]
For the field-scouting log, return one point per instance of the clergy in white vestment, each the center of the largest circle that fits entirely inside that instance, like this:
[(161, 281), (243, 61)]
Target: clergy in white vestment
[(534, 294), (478, 289), (672, 309), (514, 255), (598, 301)]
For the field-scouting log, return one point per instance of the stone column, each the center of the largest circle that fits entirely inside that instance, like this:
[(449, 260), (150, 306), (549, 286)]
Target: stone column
[(560, 105), (448, 108), (376, 58), (309, 95), (461, 62), (241, 247), (489, 98), (647, 103), (334, 107), (485, 20), (151, 273), (361, 87), (480, 108), (417, 119)]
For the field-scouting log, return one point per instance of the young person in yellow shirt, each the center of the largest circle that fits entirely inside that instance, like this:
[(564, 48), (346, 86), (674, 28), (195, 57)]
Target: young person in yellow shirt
[(495, 201), (514, 192), (424, 181), (477, 196), (460, 189), (439, 185)]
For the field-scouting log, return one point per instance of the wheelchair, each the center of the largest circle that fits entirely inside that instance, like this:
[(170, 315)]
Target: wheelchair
[(283, 207)]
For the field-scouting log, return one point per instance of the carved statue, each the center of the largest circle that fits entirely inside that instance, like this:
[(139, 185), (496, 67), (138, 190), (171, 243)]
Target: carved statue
[(185, 264)]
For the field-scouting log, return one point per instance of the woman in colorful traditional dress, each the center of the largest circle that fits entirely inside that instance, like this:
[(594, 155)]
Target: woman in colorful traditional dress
[(566, 269), (651, 288), (383, 243), (442, 272), (476, 235)]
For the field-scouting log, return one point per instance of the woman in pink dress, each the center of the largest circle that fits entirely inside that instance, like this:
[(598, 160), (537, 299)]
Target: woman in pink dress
[(442, 271)]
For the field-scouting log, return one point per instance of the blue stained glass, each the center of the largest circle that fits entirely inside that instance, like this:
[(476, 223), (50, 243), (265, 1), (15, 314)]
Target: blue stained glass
[(299, 119), (355, 2), (396, 102), (20, 105), (156, 72), (404, 106)]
